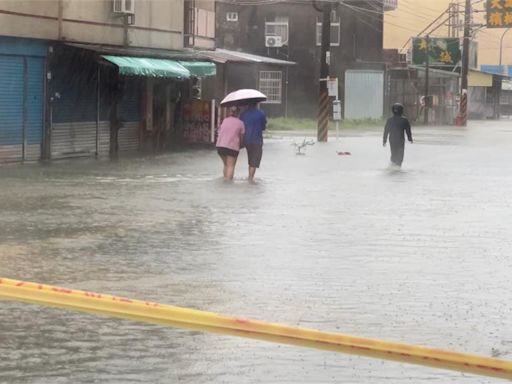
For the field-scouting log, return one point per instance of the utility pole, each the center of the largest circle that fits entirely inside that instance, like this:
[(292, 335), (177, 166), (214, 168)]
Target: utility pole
[(463, 110), (427, 84), (453, 24), (451, 19), (323, 106)]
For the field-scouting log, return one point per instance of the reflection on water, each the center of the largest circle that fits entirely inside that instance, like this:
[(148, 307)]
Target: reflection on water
[(339, 243)]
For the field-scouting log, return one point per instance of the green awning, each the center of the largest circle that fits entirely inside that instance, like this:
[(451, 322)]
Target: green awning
[(141, 66), (200, 68)]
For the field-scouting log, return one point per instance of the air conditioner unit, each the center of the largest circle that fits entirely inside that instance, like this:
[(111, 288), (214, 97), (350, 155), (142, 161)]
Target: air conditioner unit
[(273, 41), (124, 6)]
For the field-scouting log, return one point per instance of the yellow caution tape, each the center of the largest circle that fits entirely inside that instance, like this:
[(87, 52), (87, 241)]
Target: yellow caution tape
[(206, 321)]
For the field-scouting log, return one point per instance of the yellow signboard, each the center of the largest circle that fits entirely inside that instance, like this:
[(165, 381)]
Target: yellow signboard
[(499, 13)]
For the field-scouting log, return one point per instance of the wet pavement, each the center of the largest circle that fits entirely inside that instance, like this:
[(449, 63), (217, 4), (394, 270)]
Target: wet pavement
[(337, 243)]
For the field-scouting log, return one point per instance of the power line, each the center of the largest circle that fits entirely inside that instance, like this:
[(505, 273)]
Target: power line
[(408, 13), (428, 26), (415, 7), (362, 11)]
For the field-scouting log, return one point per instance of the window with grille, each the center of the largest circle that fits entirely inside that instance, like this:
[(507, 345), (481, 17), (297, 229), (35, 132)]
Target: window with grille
[(278, 27), (271, 84)]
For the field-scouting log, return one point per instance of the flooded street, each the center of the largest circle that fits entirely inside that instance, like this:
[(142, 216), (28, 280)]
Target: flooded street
[(336, 243)]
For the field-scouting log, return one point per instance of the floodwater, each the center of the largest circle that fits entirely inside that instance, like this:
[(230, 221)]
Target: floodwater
[(337, 243)]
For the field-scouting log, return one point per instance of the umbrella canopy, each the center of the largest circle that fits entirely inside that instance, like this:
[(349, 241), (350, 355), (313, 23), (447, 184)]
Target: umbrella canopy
[(243, 97)]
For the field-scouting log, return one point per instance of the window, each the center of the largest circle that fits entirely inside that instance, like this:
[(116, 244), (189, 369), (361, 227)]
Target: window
[(390, 5), (124, 6), (232, 16), (278, 27), (204, 23), (335, 31), (128, 6), (271, 84)]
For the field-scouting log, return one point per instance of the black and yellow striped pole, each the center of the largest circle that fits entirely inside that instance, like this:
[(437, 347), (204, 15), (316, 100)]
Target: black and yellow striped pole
[(463, 109), (323, 113), (323, 102)]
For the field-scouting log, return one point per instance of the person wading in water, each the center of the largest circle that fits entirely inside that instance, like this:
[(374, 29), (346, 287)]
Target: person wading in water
[(396, 128), (229, 142), (255, 123)]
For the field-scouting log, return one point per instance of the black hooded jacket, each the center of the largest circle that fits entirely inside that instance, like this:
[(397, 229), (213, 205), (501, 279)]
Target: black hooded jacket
[(395, 128)]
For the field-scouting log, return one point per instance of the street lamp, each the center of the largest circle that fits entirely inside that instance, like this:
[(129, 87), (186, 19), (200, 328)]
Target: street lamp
[(501, 48)]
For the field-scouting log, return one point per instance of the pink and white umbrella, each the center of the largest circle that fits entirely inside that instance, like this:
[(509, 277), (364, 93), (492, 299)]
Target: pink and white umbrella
[(243, 97)]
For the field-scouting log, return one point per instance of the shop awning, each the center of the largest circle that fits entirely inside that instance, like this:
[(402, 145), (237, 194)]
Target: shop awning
[(200, 68), (141, 66), (223, 56)]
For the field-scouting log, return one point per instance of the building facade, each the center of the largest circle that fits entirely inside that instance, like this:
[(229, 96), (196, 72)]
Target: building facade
[(87, 78), (292, 31)]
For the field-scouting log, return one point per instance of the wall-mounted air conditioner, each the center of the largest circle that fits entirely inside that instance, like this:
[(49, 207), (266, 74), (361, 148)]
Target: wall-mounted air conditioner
[(273, 41), (124, 6)]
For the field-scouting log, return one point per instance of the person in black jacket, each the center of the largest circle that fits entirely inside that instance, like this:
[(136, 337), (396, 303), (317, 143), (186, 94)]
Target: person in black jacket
[(395, 128)]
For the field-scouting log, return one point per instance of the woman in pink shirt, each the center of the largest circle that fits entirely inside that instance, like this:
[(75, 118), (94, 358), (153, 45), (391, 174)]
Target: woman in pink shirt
[(229, 141)]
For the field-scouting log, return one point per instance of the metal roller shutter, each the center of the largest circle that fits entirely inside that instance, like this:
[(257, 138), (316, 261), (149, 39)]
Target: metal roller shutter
[(104, 138), (79, 139), (128, 137), (11, 108), (73, 139), (129, 134), (35, 107), (75, 132)]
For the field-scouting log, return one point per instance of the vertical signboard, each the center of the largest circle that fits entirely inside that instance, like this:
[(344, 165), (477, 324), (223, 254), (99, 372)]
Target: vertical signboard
[(332, 87)]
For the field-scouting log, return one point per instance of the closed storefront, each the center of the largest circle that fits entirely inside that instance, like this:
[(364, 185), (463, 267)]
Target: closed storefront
[(103, 104), (22, 67), (80, 118)]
